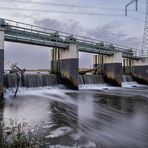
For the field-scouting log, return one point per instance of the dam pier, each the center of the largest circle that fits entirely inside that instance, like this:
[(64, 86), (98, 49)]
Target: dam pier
[(114, 66), (112, 60)]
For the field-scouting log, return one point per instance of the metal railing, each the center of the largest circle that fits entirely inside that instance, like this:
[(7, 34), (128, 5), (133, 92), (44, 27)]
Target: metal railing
[(18, 31)]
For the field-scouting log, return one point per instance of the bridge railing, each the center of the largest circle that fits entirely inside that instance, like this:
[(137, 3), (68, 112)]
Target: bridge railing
[(63, 36)]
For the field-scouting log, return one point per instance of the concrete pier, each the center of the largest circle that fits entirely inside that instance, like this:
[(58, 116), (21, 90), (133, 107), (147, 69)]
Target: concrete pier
[(127, 66), (55, 69), (69, 65), (140, 70), (113, 68), (1, 61), (98, 62)]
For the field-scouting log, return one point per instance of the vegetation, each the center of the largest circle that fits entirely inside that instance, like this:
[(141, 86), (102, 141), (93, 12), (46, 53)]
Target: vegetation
[(18, 135)]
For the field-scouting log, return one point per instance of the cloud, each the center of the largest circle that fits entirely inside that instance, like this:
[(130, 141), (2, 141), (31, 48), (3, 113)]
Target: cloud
[(70, 26), (27, 56), (110, 33)]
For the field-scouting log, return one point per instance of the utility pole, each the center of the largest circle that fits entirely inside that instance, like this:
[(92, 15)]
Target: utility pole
[(145, 35), (131, 2)]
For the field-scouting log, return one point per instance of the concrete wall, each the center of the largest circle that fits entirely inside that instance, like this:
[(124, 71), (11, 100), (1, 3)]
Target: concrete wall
[(1, 61), (127, 66), (55, 61), (69, 66), (113, 68), (98, 61), (140, 70)]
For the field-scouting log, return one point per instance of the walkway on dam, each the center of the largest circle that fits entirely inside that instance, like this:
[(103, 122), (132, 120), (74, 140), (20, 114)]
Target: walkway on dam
[(30, 34)]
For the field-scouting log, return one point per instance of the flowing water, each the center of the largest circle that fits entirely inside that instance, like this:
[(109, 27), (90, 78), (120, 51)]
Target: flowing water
[(96, 116), (101, 118), (128, 81)]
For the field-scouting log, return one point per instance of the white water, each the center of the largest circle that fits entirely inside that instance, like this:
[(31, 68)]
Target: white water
[(95, 122), (132, 84), (96, 87)]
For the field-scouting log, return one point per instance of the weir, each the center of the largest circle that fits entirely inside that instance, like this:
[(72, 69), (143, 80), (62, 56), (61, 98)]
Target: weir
[(31, 80), (112, 60)]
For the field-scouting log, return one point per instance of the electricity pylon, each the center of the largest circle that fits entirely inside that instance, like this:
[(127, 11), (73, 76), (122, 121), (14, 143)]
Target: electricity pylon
[(145, 35), (131, 2), (144, 49)]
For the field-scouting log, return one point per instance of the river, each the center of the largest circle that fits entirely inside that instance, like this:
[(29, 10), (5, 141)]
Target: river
[(93, 117)]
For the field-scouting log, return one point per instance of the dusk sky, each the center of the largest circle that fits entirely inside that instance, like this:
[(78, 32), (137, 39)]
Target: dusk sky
[(101, 19)]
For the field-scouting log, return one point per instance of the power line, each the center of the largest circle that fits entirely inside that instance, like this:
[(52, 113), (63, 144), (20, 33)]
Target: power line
[(57, 11), (131, 2), (65, 12), (70, 5)]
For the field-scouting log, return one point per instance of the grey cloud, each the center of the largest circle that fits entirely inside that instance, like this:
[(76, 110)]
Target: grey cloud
[(108, 33), (27, 56), (70, 26)]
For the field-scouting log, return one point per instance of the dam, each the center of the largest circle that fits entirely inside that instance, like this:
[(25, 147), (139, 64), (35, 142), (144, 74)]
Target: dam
[(115, 60), (67, 107)]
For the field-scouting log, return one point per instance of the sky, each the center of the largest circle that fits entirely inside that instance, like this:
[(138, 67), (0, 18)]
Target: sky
[(100, 19)]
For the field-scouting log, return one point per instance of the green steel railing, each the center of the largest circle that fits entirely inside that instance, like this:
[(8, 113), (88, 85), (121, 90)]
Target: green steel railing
[(31, 34)]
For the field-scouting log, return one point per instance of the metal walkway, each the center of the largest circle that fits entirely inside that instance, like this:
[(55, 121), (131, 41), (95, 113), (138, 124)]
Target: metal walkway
[(34, 35)]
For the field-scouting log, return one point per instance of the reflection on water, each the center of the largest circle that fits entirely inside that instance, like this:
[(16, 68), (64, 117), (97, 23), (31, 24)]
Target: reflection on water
[(84, 118)]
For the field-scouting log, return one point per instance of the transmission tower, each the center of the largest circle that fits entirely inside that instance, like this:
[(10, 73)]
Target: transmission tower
[(144, 49), (131, 2), (145, 35)]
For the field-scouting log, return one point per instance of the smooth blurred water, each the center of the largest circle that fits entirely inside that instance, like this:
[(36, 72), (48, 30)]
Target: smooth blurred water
[(109, 117)]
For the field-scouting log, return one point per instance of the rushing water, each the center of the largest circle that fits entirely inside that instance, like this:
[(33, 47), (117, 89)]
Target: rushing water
[(109, 117)]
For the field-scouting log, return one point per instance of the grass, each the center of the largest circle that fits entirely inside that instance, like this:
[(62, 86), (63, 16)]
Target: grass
[(17, 135)]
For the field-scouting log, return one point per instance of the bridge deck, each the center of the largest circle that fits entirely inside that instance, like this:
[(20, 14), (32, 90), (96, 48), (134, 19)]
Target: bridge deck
[(30, 34)]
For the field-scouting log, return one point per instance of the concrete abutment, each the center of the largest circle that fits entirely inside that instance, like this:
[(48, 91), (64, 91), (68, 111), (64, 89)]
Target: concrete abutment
[(65, 62), (1, 62), (111, 67), (140, 70)]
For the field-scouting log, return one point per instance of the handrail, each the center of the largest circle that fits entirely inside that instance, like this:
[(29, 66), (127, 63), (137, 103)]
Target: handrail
[(79, 38)]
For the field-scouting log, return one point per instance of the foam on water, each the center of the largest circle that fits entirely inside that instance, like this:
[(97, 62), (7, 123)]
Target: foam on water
[(59, 132), (96, 87), (90, 119), (132, 84)]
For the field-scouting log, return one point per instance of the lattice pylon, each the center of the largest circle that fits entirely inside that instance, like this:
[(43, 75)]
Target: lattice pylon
[(144, 51)]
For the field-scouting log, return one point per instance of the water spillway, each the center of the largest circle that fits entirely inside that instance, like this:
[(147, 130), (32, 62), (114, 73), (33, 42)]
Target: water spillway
[(129, 81), (81, 81), (41, 80), (31, 80), (127, 78), (92, 79)]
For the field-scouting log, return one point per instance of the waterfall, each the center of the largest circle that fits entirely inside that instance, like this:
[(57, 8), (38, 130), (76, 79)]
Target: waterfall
[(31, 80), (50, 80), (93, 79), (127, 78), (81, 80), (128, 82), (10, 80)]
